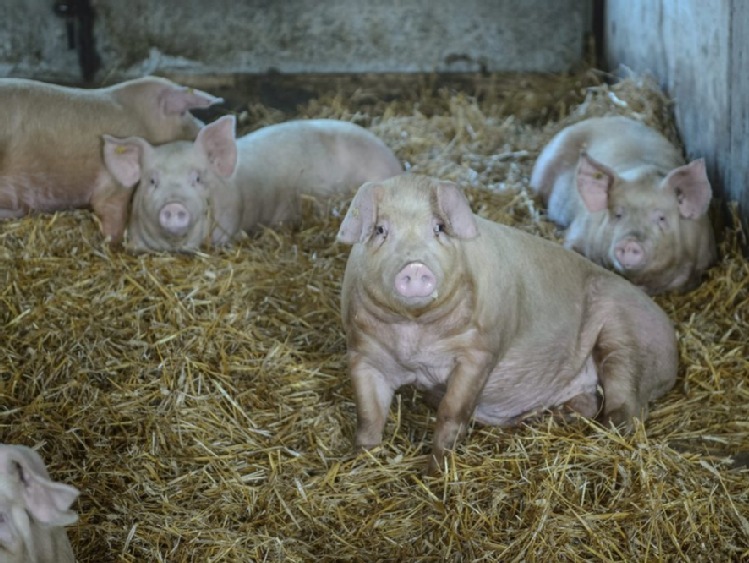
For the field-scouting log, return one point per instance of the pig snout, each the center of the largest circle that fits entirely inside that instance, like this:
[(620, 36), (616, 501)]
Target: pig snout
[(630, 253), (415, 280), (174, 218)]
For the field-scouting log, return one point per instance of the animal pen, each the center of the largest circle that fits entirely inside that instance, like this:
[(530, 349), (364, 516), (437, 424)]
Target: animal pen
[(201, 402)]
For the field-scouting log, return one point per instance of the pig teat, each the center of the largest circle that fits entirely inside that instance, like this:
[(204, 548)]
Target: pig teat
[(415, 280), (174, 218)]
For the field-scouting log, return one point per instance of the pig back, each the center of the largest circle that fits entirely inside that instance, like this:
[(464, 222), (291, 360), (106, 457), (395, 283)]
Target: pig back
[(526, 278), (319, 158), (623, 144), (52, 138)]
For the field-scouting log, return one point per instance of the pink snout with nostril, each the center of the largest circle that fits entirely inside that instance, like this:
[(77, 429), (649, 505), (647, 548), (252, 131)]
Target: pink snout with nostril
[(629, 253), (174, 218), (415, 280)]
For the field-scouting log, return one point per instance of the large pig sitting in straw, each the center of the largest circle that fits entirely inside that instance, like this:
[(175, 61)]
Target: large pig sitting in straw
[(489, 321), (629, 201), (206, 192), (33, 510), (50, 142)]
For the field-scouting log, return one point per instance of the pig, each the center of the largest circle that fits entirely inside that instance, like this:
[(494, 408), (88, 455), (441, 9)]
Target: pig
[(33, 510), (51, 146), (629, 202), (489, 321), (188, 195)]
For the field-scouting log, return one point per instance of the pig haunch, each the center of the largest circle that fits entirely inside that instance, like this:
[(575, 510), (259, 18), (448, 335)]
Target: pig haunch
[(33, 510), (629, 202), (490, 322), (192, 194), (50, 143)]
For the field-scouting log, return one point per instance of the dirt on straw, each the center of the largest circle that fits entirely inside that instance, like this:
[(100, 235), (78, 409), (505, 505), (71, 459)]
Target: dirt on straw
[(201, 403)]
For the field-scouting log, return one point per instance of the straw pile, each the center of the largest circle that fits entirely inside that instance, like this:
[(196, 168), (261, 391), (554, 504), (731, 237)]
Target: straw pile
[(202, 405)]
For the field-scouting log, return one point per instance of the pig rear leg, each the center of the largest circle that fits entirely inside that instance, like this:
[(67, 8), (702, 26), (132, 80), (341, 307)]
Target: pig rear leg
[(560, 155), (636, 357)]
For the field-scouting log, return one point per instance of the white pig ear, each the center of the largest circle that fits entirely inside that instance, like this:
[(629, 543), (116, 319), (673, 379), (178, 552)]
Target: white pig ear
[(360, 218), (594, 180), (48, 502), (176, 100), (218, 142), (122, 157), (691, 188), (455, 207)]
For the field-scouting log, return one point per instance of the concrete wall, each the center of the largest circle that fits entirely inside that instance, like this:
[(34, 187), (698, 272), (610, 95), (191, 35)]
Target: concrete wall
[(699, 51), (134, 37)]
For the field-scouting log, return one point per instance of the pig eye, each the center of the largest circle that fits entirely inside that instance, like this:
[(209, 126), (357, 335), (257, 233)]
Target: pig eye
[(380, 230), (661, 220), (618, 214), (439, 228), (153, 182)]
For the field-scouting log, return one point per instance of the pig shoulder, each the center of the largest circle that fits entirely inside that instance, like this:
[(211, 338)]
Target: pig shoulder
[(504, 257)]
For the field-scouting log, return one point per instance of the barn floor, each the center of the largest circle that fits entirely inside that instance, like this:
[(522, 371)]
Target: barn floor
[(202, 405)]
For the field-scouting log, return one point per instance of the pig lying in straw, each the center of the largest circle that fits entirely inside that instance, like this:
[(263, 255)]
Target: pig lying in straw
[(489, 321), (33, 510), (206, 192), (51, 145), (629, 201)]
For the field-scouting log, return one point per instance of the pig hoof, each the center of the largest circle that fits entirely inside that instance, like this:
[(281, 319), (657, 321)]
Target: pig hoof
[(365, 447), (435, 466)]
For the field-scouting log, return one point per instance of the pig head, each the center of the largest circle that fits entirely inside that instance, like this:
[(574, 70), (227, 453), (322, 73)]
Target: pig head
[(490, 322), (629, 202), (184, 196), (33, 510), (51, 142)]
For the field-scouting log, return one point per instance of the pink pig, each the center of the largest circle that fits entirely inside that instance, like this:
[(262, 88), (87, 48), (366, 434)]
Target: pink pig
[(51, 142), (33, 510), (629, 201), (206, 192), (490, 322)]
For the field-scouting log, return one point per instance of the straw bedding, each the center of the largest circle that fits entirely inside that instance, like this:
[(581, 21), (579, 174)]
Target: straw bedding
[(201, 403)]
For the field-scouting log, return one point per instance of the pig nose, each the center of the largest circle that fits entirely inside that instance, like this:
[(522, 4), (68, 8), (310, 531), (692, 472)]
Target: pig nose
[(415, 280), (629, 253), (174, 218)]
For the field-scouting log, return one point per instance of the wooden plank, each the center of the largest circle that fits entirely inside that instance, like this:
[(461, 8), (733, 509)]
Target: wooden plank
[(698, 52), (737, 166)]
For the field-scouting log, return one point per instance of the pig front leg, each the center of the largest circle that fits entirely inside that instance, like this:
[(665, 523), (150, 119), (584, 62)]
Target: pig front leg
[(110, 203), (464, 388), (373, 395)]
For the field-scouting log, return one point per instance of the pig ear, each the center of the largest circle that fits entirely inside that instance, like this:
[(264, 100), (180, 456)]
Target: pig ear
[(454, 206), (218, 141), (122, 158), (594, 180), (362, 213), (176, 100), (48, 502), (691, 188)]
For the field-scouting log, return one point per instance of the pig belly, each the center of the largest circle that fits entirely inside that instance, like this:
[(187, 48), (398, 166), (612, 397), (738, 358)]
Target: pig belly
[(512, 391), (20, 194)]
